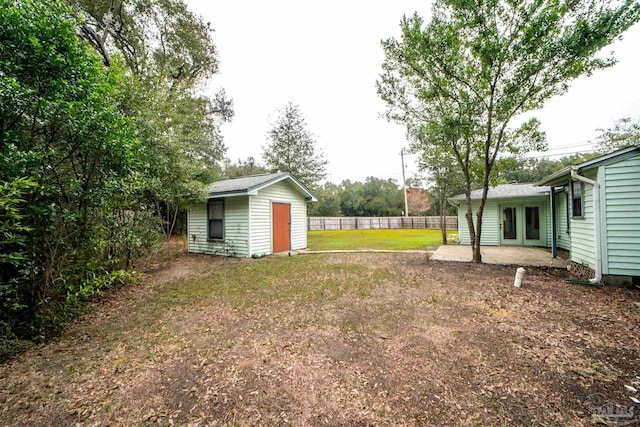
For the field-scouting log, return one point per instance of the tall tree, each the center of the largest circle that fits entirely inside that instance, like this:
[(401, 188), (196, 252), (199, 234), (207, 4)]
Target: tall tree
[(477, 65), (328, 201), (292, 148), (156, 38), (352, 201), (374, 197), (625, 132), (170, 53), (440, 166), (520, 170), (418, 201), (382, 197)]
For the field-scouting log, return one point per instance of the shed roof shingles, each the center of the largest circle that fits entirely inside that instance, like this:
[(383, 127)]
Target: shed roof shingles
[(507, 191), (243, 183)]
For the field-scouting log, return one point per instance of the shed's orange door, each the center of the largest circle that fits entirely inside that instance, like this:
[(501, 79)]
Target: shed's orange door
[(281, 227)]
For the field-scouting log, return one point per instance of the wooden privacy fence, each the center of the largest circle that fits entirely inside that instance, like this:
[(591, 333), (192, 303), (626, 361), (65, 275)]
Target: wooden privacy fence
[(365, 223)]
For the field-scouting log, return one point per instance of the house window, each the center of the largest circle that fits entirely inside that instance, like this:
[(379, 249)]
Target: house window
[(577, 204), (215, 214)]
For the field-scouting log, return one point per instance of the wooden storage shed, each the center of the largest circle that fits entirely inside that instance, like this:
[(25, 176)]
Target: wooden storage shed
[(250, 216)]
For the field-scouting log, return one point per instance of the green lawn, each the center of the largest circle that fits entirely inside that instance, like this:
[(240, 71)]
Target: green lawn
[(395, 239)]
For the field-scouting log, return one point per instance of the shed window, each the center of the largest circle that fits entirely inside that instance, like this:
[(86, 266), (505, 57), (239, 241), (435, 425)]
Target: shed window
[(215, 214), (577, 205)]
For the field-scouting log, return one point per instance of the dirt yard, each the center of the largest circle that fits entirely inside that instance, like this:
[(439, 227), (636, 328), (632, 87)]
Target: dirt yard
[(349, 339)]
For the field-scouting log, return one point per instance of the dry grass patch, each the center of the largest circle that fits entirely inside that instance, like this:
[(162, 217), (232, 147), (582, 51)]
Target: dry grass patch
[(351, 339)]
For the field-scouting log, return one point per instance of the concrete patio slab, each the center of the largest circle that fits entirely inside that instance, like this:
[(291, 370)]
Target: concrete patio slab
[(507, 255)]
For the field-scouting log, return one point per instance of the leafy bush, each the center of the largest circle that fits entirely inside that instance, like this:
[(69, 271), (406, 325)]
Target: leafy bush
[(72, 173)]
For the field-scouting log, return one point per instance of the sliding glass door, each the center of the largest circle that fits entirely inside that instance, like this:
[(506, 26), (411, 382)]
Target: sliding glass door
[(523, 224)]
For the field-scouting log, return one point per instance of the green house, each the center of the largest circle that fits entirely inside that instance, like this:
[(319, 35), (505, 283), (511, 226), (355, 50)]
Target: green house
[(591, 210), (596, 207)]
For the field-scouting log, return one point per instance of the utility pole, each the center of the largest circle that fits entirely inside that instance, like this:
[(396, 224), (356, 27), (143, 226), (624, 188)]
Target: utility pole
[(251, 163), (404, 185)]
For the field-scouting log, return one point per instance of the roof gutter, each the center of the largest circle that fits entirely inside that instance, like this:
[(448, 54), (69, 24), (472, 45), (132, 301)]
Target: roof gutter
[(596, 220)]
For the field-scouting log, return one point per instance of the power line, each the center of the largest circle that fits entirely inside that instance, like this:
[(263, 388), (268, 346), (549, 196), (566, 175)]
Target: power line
[(568, 153), (572, 145)]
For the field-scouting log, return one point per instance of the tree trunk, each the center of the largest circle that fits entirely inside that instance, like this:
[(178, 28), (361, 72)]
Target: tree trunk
[(443, 222), (171, 220), (469, 217), (477, 256), (128, 259)]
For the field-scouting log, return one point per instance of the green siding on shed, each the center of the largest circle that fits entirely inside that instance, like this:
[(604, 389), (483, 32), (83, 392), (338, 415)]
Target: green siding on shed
[(621, 212), (489, 235), (248, 218), (491, 218), (236, 231), (283, 192)]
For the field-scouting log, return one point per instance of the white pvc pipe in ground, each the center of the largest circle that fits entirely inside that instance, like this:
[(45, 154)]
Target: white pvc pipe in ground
[(519, 276)]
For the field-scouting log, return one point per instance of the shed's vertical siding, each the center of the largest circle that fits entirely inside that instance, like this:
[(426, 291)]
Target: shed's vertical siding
[(260, 225), (236, 231), (260, 209), (463, 228), (563, 238), (621, 245), (490, 225), (582, 230)]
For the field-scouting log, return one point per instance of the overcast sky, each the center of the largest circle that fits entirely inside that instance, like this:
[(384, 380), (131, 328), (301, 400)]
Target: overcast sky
[(326, 56)]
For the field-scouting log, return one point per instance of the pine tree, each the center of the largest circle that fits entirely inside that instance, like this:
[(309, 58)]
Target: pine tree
[(292, 148)]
